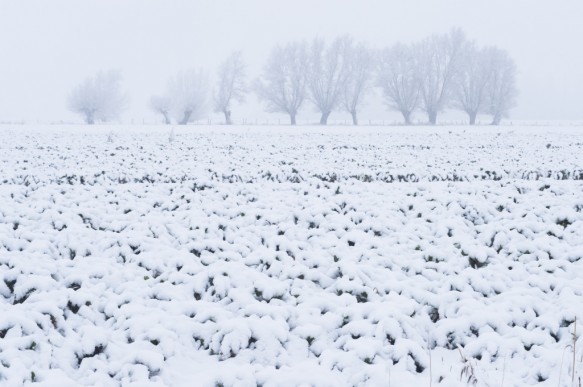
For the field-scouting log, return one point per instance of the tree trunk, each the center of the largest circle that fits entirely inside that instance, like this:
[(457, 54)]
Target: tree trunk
[(472, 117), (407, 117), (432, 117), (166, 118), (186, 117), (228, 117), (89, 119), (496, 119), (324, 118), (354, 117), (292, 118)]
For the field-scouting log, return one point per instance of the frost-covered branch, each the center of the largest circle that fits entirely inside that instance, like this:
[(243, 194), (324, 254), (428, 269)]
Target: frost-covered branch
[(99, 98)]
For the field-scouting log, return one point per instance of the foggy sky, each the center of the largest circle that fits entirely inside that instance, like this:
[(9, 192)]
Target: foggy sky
[(47, 47)]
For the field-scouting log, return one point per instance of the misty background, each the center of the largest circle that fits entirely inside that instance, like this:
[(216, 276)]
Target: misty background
[(49, 47)]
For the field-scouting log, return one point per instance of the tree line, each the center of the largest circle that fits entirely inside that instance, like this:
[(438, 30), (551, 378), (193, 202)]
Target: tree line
[(442, 71)]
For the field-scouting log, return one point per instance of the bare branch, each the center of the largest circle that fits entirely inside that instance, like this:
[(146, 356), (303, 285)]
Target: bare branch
[(398, 79), (328, 74), (501, 88), (438, 60), (360, 63), (231, 84), (283, 82)]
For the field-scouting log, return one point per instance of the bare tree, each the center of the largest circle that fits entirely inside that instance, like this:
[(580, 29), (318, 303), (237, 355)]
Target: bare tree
[(99, 98), (501, 88), (231, 85), (360, 63), (283, 82), (398, 79), (438, 60), (163, 106), (188, 94), (327, 75), (471, 81)]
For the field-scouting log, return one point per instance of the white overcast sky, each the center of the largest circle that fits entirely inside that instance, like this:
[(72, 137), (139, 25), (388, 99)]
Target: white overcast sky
[(47, 47)]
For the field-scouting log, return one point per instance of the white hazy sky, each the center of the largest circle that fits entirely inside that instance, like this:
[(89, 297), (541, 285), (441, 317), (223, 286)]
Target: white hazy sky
[(47, 47)]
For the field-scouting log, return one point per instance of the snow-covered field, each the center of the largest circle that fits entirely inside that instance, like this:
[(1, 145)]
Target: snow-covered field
[(278, 256)]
